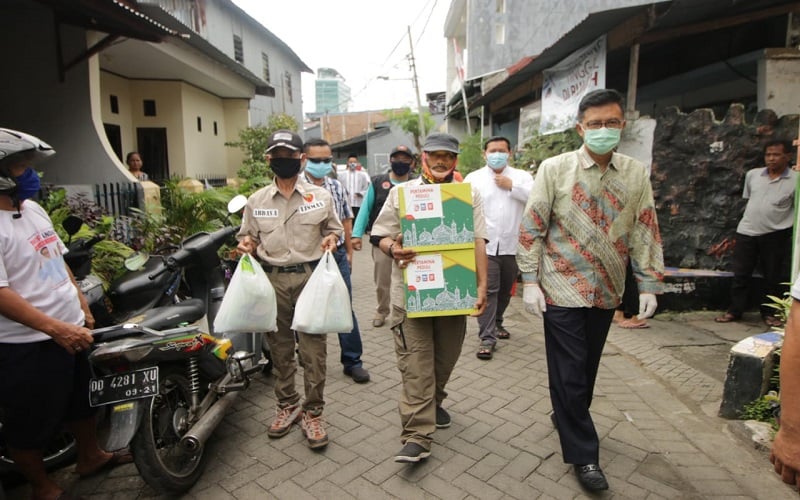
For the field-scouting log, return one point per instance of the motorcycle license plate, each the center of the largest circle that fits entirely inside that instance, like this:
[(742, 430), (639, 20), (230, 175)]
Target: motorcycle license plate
[(125, 386)]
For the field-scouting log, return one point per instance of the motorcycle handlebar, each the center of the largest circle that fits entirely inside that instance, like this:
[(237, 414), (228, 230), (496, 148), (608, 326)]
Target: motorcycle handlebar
[(192, 245)]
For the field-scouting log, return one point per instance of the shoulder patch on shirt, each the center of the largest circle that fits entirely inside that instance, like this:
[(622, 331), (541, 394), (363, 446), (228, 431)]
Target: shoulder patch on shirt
[(308, 197), (265, 212), (310, 207)]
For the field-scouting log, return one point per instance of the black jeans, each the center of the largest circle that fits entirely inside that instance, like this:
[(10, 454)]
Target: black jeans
[(771, 253)]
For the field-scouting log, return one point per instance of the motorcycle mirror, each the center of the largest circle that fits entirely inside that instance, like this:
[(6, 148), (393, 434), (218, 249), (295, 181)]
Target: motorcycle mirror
[(136, 261), (237, 203), (72, 224)]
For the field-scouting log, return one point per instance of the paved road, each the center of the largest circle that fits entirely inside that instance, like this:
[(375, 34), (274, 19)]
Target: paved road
[(655, 407)]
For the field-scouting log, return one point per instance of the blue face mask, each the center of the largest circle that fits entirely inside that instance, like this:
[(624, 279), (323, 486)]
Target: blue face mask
[(497, 161), (318, 170), (28, 184), (602, 140)]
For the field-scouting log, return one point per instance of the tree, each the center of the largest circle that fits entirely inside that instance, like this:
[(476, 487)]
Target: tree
[(471, 155), (253, 142), (408, 121)]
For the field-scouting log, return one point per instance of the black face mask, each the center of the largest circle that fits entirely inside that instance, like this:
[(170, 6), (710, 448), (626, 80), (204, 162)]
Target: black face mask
[(399, 168), (285, 168)]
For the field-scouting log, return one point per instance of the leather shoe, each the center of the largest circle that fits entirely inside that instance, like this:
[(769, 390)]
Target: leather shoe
[(358, 373), (591, 477)]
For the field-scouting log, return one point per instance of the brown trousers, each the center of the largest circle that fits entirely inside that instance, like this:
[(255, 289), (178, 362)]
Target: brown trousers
[(312, 347), (382, 276), (427, 350)]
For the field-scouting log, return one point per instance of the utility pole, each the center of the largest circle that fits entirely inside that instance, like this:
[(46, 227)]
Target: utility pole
[(416, 87)]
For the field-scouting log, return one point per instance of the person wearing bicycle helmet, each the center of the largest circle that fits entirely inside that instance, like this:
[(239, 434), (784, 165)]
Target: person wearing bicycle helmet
[(44, 328)]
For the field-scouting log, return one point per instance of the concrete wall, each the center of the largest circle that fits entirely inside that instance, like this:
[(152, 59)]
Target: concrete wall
[(221, 26), (779, 81), (530, 26), (169, 115), (236, 110), (111, 84), (35, 100), (205, 150)]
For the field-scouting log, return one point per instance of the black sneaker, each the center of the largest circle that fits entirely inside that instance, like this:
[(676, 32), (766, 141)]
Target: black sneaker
[(412, 453), (442, 418), (358, 374)]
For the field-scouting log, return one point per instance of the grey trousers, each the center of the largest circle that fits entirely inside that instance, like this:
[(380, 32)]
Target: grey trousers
[(501, 274)]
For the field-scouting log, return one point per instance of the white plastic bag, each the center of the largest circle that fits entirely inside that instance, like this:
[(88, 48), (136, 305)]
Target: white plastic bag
[(249, 303), (324, 304)]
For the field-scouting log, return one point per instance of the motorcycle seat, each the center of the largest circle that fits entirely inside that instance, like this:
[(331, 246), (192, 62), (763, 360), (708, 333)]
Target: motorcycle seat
[(162, 318)]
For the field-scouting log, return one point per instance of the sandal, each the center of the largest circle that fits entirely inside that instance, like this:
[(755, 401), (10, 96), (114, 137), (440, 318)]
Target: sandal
[(485, 351), (773, 322), (632, 324), (118, 457), (502, 333), (726, 318)]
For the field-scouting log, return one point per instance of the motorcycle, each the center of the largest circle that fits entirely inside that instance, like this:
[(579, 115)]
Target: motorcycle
[(157, 298), (169, 391)]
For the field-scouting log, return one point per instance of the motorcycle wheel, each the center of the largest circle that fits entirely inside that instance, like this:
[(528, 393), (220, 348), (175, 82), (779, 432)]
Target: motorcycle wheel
[(60, 452), (163, 463)]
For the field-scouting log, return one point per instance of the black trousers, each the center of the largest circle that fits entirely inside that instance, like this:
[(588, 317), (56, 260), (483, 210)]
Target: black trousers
[(574, 340), (630, 297), (771, 253)]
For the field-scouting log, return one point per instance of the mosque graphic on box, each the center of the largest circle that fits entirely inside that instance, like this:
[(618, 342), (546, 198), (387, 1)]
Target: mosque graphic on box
[(439, 235), (444, 300)]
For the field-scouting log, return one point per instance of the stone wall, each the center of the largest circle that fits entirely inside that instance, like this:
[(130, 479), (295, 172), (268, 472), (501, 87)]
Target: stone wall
[(698, 171)]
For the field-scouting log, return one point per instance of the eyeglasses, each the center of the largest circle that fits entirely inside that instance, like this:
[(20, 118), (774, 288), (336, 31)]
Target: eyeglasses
[(320, 160), (596, 124), (441, 155)]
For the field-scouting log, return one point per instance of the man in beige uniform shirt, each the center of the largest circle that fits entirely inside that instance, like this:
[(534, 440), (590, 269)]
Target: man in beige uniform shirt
[(288, 225), (427, 348)]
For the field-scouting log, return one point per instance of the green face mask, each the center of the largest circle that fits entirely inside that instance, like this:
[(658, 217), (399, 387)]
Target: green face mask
[(602, 140)]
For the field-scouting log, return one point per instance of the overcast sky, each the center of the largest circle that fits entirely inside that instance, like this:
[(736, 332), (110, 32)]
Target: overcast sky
[(362, 39)]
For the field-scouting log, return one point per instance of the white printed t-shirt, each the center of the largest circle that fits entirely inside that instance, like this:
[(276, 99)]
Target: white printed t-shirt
[(32, 264)]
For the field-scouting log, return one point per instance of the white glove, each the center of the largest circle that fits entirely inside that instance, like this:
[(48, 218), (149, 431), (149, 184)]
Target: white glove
[(647, 305), (533, 298)]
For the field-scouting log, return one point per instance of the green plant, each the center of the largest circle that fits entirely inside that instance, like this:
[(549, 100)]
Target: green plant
[(253, 143), (762, 409), (470, 156), (193, 212), (540, 147), (782, 305), (408, 121)]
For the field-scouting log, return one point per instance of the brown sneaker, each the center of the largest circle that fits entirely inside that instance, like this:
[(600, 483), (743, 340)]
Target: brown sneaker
[(314, 430), (284, 418)]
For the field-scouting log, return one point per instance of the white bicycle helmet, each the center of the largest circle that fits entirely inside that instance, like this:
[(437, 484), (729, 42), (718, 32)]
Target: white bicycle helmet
[(18, 146)]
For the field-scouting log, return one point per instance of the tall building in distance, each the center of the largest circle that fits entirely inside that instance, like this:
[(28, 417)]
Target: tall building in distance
[(332, 94)]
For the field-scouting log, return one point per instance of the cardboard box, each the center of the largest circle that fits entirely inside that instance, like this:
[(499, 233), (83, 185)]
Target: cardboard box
[(441, 284), (437, 217)]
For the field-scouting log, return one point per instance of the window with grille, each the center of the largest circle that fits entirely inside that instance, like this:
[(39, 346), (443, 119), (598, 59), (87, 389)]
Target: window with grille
[(289, 87), (238, 50), (265, 61)]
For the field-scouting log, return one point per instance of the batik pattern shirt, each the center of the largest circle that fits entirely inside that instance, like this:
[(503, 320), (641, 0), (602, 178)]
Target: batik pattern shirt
[(581, 225)]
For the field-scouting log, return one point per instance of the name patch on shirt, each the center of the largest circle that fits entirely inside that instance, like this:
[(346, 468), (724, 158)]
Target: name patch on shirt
[(265, 212), (310, 207)]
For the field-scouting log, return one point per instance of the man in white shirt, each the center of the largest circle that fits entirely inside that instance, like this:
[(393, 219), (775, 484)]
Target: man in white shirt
[(356, 182), (505, 191)]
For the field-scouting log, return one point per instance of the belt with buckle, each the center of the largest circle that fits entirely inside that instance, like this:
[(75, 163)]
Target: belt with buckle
[(293, 268)]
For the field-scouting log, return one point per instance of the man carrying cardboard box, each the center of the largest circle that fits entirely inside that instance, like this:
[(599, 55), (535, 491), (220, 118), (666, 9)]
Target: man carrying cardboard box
[(427, 348)]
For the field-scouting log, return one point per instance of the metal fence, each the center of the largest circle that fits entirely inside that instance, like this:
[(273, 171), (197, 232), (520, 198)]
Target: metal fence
[(213, 181), (117, 198)]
